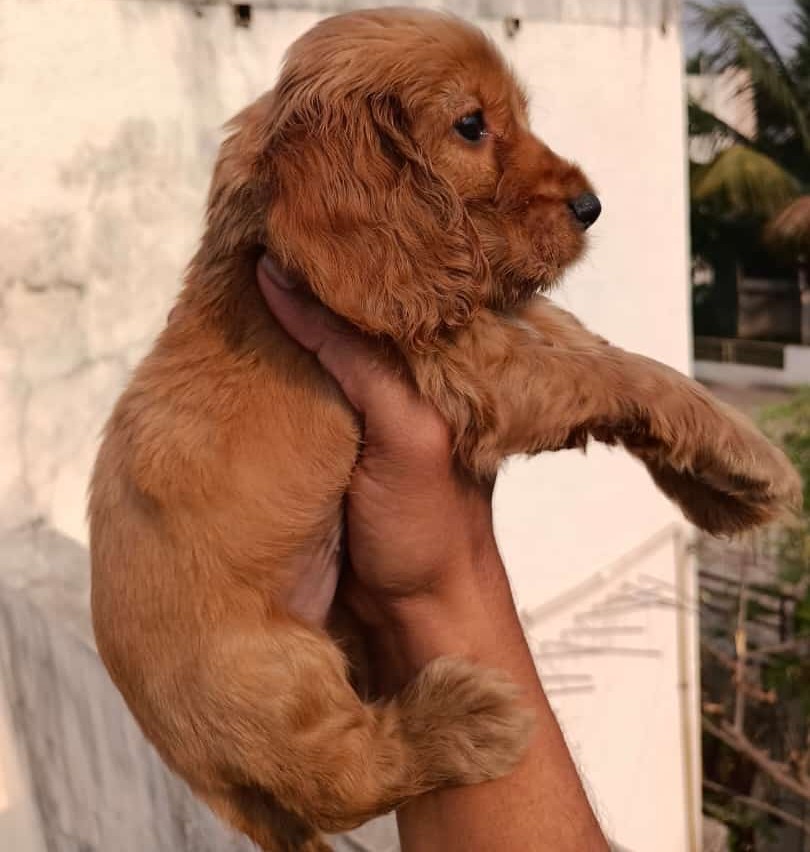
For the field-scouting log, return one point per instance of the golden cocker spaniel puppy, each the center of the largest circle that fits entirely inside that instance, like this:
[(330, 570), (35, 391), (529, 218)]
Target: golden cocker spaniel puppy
[(392, 169)]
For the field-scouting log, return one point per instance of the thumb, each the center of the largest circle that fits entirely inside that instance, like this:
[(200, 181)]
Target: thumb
[(371, 386)]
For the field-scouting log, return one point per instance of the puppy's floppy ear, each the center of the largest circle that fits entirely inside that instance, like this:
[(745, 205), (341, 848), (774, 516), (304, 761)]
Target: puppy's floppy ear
[(357, 211), (240, 189)]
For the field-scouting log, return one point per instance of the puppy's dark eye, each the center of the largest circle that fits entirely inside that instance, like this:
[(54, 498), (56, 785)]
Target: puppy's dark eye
[(472, 127)]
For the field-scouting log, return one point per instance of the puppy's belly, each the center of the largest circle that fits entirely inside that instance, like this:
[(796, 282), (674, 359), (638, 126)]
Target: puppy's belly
[(313, 577), (274, 523)]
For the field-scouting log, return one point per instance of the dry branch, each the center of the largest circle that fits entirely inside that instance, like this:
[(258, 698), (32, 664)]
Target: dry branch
[(758, 804), (775, 771)]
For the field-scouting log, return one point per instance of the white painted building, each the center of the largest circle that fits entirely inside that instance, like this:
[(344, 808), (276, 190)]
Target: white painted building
[(111, 112)]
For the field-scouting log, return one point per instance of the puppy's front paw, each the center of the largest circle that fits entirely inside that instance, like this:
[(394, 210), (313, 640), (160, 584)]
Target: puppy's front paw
[(725, 475), (465, 722)]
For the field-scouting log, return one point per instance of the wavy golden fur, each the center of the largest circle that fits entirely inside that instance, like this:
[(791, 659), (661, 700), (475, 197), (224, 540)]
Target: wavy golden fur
[(230, 451)]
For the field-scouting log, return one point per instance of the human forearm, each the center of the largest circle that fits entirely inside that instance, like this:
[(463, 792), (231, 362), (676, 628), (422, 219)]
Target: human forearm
[(541, 806), (425, 582)]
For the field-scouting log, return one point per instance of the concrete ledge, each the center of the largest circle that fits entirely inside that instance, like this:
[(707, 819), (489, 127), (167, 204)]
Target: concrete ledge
[(95, 784), (796, 371), (617, 13)]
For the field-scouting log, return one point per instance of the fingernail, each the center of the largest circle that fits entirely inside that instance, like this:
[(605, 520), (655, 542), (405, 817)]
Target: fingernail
[(276, 275)]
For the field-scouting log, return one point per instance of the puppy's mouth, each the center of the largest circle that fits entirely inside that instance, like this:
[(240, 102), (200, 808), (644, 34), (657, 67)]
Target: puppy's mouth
[(518, 289), (554, 253), (530, 246)]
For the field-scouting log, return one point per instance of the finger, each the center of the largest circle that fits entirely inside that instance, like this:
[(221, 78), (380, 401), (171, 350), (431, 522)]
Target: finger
[(370, 385)]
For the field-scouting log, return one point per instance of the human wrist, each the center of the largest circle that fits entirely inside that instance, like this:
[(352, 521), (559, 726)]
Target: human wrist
[(455, 594), (472, 617), (417, 630)]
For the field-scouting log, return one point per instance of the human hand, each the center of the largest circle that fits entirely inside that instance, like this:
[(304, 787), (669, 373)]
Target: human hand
[(416, 526), (427, 581)]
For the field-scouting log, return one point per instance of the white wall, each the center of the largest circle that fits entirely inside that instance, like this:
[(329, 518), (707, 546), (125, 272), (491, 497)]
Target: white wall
[(612, 98), (19, 827), (111, 112)]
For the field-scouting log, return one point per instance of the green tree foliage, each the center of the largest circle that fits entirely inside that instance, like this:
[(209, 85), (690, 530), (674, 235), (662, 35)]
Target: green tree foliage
[(801, 58), (778, 86), (790, 424), (746, 185), (755, 667)]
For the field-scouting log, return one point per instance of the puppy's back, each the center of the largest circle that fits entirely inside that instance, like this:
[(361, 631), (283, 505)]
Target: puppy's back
[(221, 460)]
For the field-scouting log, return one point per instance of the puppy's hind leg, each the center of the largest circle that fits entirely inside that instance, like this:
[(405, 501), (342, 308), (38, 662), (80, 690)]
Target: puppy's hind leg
[(271, 827), (291, 736)]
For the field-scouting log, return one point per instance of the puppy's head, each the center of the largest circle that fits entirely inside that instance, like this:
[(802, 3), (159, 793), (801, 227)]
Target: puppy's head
[(393, 169)]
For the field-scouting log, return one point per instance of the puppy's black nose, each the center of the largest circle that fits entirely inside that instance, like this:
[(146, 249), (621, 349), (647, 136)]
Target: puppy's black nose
[(586, 208)]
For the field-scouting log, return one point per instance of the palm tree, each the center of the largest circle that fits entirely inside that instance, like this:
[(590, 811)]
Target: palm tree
[(753, 179)]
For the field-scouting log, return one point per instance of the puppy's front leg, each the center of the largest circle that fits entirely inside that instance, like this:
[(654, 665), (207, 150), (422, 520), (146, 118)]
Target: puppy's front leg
[(540, 381)]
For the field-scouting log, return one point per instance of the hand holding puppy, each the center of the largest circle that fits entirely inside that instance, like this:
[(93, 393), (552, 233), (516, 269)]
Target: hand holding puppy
[(426, 579)]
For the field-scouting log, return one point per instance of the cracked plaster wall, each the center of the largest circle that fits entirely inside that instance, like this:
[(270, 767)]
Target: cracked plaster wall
[(111, 116)]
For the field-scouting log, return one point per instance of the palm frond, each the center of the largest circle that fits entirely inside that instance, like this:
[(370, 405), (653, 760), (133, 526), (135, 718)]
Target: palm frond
[(704, 122), (738, 41), (800, 64), (747, 182)]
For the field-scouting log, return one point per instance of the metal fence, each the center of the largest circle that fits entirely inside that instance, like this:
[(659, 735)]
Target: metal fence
[(756, 353)]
